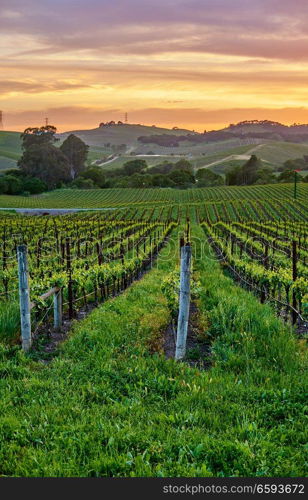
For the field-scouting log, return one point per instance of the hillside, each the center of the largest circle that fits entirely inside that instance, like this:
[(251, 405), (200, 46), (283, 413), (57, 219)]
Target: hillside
[(273, 154), (9, 149), (112, 146), (119, 134)]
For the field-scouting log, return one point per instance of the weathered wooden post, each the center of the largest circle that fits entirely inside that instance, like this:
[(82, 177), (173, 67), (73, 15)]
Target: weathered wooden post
[(24, 297), (70, 281), (294, 276), (184, 302), (57, 309)]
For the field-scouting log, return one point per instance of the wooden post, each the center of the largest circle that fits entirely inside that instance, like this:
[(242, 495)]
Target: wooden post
[(70, 281), (184, 302), (24, 297), (294, 275), (57, 309)]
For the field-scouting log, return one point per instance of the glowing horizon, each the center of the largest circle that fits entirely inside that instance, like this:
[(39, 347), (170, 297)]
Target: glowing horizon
[(194, 64)]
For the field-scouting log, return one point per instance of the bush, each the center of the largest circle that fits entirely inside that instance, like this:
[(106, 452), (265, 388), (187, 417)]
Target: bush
[(81, 183), (14, 185), (95, 174), (34, 185)]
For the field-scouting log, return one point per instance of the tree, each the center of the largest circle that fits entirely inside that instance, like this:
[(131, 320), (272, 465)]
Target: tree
[(162, 168), (249, 170), (14, 184), (47, 163), (16, 172), (233, 176), (134, 166), (3, 185), (182, 178), (288, 176), (265, 175), (34, 185), (140, 181), (297, 164), (161, 180), (38, 135), (207, 178), (245, 175), (183, 165), (81, 183), (95, 174), (76, 152)]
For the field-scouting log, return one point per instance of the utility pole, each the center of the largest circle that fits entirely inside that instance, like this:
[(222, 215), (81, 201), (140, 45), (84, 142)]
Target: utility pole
[(1, 120), (46, 121)]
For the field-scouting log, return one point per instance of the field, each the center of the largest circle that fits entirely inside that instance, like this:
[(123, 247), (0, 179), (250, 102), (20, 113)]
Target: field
[(107, 401), (218, 155), (122, 198)]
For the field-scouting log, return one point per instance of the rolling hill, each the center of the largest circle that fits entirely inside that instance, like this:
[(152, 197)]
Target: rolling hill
[(112, 146), (10, 149)]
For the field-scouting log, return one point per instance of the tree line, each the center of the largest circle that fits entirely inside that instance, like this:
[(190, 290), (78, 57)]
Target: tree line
[(44, 166)]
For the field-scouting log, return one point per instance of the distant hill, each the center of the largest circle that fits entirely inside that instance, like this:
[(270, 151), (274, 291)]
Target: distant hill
[(112, 145), (120, 134), (268, 129)]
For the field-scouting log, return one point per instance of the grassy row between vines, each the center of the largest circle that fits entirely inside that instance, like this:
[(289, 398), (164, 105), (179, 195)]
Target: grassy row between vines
[(109, 406)]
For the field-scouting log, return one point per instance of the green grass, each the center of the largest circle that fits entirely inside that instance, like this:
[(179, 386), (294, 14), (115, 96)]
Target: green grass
[(10, 144), (124, 134), (118, 162), (9, 321), (108, 406), (7, 163), (220, 155), (276, 153), (273, 154)]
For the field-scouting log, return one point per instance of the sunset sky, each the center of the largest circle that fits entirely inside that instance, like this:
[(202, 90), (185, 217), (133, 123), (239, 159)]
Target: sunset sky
[(198, 64)]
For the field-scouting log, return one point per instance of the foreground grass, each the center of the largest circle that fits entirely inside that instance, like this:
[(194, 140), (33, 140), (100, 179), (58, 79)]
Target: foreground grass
[(108, 406), (9, 321)]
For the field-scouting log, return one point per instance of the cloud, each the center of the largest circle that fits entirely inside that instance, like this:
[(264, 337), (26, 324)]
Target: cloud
[(264, 28), (136, 54), (34, 87)]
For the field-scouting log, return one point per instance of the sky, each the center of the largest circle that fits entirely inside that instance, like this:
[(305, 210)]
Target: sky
[(195, 64)]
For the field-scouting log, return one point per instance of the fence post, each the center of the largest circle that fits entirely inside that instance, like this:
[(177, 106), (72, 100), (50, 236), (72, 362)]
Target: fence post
[(24, 297), (294, 276), (184, 302), (70, 281), (57, 309)]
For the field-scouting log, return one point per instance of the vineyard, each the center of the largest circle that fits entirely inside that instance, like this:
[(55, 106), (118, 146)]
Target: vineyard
[(269, 258), (117, 198), (108, 401), (86, 257)]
